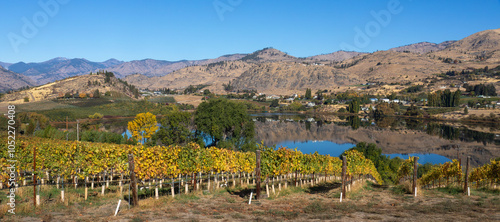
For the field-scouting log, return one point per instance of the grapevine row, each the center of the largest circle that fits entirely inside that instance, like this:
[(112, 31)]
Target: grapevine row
[(82, 159)]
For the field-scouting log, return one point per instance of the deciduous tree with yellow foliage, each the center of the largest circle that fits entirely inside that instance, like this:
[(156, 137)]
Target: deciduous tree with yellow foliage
[(143, 126)]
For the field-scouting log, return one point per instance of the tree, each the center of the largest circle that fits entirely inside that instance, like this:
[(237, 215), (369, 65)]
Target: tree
[(206, 92), (466, 111), (96, 93), (308, 94), (143, 126), (26, 99), (175, 129), (354, 106), (456, 98), (274, 103), (224, 121)]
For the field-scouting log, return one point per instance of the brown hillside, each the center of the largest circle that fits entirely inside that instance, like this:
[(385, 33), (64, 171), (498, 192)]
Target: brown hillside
[(482, 46), (71, 85), (214, 74), (423, 47), (337, 56), (284, 78), (10, 80)]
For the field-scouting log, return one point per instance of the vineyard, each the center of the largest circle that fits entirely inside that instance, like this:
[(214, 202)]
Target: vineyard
[(181, 168), (452, 174), (85, 173)]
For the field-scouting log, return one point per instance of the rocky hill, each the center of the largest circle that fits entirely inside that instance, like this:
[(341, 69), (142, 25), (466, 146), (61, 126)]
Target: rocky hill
[(479, 47), (214, 74), (288, 77), (269, 55), (74, 86), (337, 56), (11, 80), (423, 47)]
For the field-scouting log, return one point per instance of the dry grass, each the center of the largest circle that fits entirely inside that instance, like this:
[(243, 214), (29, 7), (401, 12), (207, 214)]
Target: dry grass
[(365, 202)]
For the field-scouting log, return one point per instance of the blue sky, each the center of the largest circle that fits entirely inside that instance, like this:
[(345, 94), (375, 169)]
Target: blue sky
[(176, 30)]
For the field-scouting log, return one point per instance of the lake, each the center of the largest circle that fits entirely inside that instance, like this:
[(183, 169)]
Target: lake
[(431, 141)]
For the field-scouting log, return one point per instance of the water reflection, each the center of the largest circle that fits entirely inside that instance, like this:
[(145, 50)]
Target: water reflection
[(435, 142), (323, 147)]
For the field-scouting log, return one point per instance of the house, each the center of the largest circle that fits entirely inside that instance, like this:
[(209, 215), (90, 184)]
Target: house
[(396, 101), (311, 104), (373, 100), (273, 97), (386, 100), (290, 99)]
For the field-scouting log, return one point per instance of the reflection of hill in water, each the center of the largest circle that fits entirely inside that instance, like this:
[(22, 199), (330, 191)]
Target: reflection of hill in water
[(391, 141)]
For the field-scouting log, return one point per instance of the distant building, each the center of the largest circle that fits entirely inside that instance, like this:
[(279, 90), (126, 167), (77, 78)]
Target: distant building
[(311, 104), (386, 100), (373, 100)]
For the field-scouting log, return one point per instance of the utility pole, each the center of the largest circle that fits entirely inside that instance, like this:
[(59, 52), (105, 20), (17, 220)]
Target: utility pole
[(77, 129)]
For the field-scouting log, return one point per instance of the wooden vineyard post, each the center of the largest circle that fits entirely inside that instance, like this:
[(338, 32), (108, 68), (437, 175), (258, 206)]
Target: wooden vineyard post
[(296, 172), (34, 176), (133, 182), (466, 182), (415, 166), (257, 174), (344, 167)]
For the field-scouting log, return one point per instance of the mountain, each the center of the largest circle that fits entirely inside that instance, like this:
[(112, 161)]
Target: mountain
[(60, 68), (423, 47), (288, 77), (479, 47), (5, 64), (271, 70), (56, 69), (269, 55), (112, 62), (11, 80), (213, 74), (337, 56), (152, 68), (73, 85)]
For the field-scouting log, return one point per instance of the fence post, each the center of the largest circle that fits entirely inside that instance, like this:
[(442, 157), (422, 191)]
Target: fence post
[(466, 182), (415, 166), (133, 182), (257, 174), (344, 168)]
